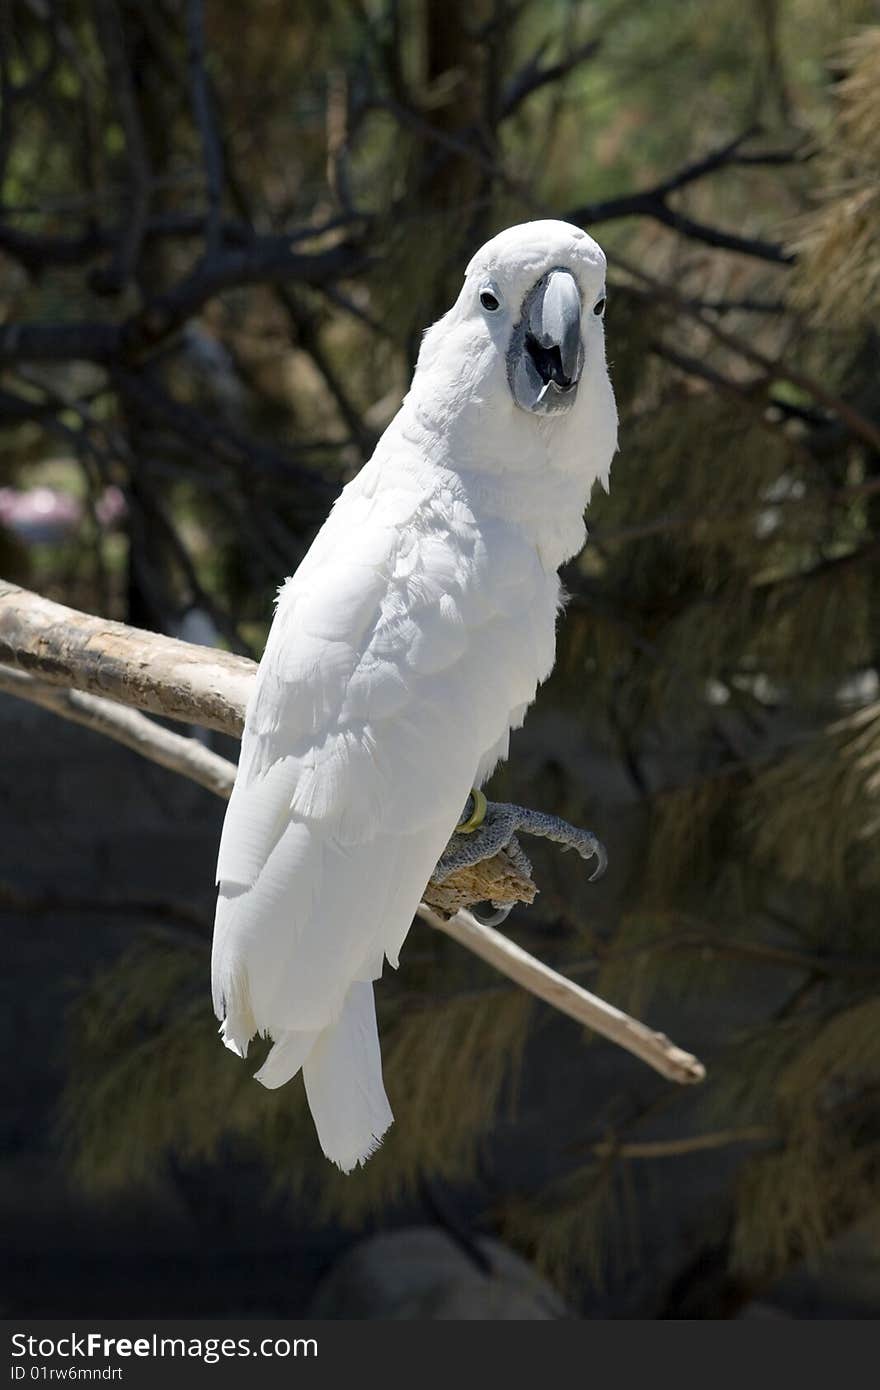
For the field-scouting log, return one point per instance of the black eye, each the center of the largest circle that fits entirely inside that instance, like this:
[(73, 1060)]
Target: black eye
[(489, 301), (599, 306)]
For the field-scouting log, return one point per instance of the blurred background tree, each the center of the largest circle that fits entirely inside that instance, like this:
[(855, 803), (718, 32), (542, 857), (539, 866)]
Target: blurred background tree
[(223, 228)]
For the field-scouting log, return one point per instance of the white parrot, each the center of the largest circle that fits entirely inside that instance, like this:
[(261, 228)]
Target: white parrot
[(408, 644)]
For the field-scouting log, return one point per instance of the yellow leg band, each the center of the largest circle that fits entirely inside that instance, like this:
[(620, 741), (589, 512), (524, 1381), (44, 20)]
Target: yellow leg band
[(477, 816)]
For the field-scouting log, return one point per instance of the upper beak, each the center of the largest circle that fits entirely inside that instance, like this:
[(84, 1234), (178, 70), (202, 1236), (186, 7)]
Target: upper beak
[(553, 339)]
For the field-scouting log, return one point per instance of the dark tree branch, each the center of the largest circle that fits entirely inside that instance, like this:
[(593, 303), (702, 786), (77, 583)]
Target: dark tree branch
[(216, 437), (268, 260), (306, 332), (127, 252), (859, 425), (58, 342), (720, 158), (265, 260), (212, 149), (652, 202), (38, 252), (535, 74)]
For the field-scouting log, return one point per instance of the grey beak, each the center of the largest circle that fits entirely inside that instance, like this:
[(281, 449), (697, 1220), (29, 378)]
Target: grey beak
[(554, 327)]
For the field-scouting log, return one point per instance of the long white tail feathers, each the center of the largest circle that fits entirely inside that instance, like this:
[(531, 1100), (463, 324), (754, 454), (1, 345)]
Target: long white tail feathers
[(342, 1070)]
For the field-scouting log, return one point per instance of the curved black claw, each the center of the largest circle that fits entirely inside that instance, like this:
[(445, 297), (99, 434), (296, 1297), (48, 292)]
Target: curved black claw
[(601, 855), (493, 917), (587, 845)]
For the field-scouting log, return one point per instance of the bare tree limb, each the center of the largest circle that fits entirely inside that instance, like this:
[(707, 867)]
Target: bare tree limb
[(84, 341), (654, 1048), (775, 370), (215, 436), (691, 1144), (535, 74), (52, 646), (39, 251), (653, 202), (212, 149), (174, 751), (196, 685), (266, 260), (111, 33)]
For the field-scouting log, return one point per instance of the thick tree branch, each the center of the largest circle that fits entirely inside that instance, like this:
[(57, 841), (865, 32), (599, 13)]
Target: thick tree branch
[(268, 260), (51, 646), (83, 341), (61, 646)]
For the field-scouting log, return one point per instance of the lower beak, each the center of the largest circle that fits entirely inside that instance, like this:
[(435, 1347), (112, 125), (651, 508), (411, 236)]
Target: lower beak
[(553, 337)]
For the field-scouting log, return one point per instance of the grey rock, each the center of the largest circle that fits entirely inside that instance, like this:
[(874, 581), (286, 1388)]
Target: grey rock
[(421, 1273)]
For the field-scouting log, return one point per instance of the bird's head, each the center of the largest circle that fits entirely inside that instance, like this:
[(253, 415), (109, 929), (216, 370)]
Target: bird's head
[(539, 292), (513, 377)]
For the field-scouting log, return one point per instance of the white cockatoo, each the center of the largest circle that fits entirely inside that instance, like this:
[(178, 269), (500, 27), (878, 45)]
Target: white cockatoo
[(407, 646)]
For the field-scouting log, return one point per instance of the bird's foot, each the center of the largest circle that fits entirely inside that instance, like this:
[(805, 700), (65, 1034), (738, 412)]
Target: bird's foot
[(588, 845), (485, 829), (488, 827)]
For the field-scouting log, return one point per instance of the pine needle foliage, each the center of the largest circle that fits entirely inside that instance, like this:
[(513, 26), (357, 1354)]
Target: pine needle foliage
[(839, 244), (838, 766)]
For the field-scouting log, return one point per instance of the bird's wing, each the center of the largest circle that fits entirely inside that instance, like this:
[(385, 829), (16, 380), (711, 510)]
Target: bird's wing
[(394, 658)]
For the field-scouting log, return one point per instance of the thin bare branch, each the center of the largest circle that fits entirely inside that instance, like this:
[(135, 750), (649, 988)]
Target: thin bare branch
[(535, 74), (654, 1048), (173, 751), (653, 202), (212, 149), (692, 1144), (776, 370), (266, 260), (111, 32)]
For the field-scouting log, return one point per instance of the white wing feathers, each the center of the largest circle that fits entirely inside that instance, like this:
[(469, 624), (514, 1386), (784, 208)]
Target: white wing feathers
[(391, 674)]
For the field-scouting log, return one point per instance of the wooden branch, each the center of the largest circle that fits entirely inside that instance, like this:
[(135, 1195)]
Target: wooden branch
[(38, 252), (53, 647), (174, 751), (197, 685), (495, 880), (569, 998)]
